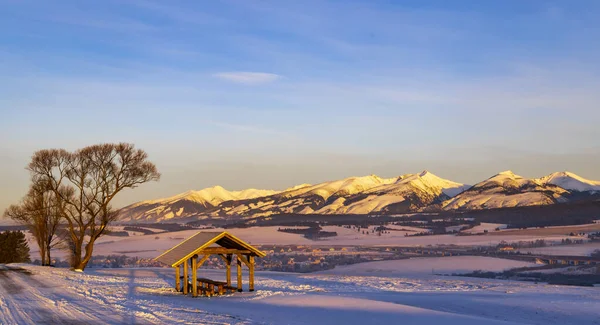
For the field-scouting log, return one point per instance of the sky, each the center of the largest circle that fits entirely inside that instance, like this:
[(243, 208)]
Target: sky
[(270, 94)]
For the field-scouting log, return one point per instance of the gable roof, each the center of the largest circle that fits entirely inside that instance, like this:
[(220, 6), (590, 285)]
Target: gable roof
[(195, 244)]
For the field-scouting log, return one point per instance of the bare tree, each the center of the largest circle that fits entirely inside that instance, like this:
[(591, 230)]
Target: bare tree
[(39, 211), (85, 182)]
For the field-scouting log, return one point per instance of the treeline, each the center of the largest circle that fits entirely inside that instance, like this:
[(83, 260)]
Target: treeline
[(13, 247), (145, 231), (313, 232), (168, 227), (117, 233), (560, 214), (585, 280)]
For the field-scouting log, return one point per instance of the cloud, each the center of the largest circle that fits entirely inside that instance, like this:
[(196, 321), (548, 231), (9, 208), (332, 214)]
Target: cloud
[(248, 78)]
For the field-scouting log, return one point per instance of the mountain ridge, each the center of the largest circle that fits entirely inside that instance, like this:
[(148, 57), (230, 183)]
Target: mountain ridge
[(365, 195)]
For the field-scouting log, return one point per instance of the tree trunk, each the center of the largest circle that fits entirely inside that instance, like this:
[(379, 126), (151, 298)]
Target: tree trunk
[(43, 254), (76, 254), (48, 256), (89, 249)]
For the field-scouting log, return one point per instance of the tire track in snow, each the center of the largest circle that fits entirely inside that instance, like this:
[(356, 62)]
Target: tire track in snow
[(36, 304)]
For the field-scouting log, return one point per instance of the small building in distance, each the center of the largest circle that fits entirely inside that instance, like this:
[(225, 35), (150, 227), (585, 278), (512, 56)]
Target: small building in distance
[(190, 254)]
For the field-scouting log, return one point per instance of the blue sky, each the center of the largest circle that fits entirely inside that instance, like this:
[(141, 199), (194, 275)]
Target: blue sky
[(269, 94)]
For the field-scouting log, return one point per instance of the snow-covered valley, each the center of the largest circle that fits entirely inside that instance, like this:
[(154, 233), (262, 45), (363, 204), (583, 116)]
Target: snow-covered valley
[(152, 245), (349, 295)]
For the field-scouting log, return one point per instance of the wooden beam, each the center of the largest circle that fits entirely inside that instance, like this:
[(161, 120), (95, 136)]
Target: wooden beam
[(239, 274), (202, 260), (241, 257), (251, 276), (186, 279), (223, 250), (195, 276), (177, 278), (228, 262), (223, 257)]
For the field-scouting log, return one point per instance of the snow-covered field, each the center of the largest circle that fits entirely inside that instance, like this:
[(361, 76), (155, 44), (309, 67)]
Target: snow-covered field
[(440, 265), (483, 227), (37, 295), (154, 245), (147, 246)]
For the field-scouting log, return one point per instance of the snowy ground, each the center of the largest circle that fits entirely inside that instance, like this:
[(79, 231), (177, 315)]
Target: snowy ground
[(149, 246), (441, 265), (36, 295)]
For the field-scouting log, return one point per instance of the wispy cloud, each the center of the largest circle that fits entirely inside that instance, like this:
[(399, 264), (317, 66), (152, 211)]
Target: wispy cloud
[(249, 78)]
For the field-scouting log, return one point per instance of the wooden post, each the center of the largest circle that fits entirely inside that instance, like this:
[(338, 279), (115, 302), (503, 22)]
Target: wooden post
[(185, 277), (195, 276), (239, 274), (228, 262), (251, 277), (178, 278)]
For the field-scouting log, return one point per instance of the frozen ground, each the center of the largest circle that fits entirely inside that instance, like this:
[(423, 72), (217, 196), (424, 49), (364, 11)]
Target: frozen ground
[(490, 227), (440, 265), (36, 295), (149, 246)]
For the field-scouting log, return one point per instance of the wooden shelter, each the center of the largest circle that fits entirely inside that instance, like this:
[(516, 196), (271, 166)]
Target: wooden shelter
[(194, 251)]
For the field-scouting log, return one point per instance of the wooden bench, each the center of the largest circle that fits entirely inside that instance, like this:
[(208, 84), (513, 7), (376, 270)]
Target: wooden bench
[(207, 286)]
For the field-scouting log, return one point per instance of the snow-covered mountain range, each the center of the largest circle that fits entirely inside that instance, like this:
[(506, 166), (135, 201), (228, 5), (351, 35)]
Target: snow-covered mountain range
[(365, 195)]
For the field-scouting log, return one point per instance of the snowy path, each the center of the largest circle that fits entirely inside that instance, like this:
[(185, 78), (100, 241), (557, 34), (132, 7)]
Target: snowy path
[(36, 295), (28, 300)]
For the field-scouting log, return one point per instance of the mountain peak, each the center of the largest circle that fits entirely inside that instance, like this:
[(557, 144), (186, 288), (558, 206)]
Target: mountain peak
[(365, 195), (570, 181), (507, 173)]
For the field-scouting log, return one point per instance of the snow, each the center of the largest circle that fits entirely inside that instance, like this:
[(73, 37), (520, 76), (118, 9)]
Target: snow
[(37, 295), (344, 187), (570, 181), (387, 191), (491, 192), (381, 192), (436, 265), (366, 194), (499, 192), (333, 207), (252, 193), (450, 188), (213, 195), (150, 246)]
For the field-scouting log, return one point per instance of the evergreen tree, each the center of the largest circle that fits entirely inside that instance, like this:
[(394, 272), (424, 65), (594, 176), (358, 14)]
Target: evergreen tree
[(13, 247)]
